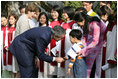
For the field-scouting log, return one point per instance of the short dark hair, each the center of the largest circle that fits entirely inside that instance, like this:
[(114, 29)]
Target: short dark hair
[(75, 33), (22, 6), (58, 9), (58, 31), (69, 10)]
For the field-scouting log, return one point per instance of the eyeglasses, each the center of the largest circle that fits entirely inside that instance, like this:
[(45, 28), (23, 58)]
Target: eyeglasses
[(85, 5)]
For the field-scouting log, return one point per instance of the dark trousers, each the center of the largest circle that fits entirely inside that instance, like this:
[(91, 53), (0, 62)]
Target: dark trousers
[(28, 72)]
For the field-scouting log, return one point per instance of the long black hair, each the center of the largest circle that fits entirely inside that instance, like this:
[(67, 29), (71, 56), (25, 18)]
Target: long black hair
[(103, 11), (58, 9), (69, 10), (80, 16), (81, 9), (106, 10), (43, 13)]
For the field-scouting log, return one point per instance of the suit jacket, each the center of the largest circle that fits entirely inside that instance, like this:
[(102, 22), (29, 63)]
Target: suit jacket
[(28, 45), (22, 25)]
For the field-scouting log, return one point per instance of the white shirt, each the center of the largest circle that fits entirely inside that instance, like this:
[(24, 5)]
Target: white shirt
[(31, 23), (91, 12)]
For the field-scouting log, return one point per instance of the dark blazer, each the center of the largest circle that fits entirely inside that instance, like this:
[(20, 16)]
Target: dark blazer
[(28, 45)]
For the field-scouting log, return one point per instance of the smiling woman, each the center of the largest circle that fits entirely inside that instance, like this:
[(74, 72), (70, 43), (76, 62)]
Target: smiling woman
[(93, 34), (43, 19), (10, 63)]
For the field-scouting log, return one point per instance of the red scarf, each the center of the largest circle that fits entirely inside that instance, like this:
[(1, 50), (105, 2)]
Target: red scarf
[(3, 28), (10, 38), (65, 26)]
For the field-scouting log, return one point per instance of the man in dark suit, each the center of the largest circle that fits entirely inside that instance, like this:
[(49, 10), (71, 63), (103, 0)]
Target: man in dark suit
[(33, 43)]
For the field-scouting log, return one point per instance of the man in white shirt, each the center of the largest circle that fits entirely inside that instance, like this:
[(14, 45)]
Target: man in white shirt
[(88, 6)]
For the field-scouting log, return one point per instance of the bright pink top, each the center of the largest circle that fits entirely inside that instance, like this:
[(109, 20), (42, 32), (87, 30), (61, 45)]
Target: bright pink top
[(94, 39)]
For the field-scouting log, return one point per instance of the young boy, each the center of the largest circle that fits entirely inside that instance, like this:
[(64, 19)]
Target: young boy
[(76, 60)]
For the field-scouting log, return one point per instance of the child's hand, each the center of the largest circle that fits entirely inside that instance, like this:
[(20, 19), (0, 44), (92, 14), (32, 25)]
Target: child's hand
[(79, 53), (68, 71)]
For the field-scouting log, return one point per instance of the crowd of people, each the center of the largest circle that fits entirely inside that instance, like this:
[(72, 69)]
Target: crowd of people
[(94, 33)]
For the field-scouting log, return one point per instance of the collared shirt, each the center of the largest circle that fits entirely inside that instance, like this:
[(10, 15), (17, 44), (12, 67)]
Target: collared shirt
[(92, 13)]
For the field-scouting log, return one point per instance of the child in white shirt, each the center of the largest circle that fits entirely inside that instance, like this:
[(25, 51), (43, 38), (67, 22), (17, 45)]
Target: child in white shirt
[(76, 60)]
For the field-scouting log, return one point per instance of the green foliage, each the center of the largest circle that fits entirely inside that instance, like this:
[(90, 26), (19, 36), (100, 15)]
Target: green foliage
[(114, 5), (49, 20), (96, 6), (74, 4)]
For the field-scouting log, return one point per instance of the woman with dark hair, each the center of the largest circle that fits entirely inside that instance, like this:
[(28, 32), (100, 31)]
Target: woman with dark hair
[(56, 20), (75, 25), (104, 13), (43, 19), (65, 43), (11, 61), (109, 47), (69, 11), (93, 34), (12, 20), (56, 13), (67, 15), (4, 26), (43, 22)]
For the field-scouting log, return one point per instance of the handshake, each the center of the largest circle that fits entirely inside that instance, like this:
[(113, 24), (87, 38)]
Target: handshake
[(59, 59)]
